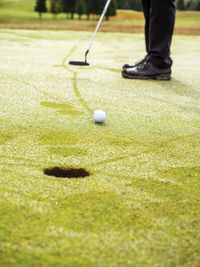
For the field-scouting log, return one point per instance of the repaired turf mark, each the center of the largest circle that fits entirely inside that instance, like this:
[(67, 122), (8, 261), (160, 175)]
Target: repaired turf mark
[(66, 173), (78, 95), (65, 109), (67, 56), (75, 87)]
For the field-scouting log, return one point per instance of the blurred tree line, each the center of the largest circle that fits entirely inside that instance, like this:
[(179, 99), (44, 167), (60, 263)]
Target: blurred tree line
[(129, 4), (80, 7), (88, 7), (188, 4), (181, 4)]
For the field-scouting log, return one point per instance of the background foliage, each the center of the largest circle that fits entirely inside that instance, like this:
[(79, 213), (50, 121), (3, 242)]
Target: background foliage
[(95, 7)]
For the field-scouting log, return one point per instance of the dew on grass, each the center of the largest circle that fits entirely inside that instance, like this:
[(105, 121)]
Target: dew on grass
[(61, 172)]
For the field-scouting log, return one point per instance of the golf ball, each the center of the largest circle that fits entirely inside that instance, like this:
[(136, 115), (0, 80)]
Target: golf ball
[(99, 116)]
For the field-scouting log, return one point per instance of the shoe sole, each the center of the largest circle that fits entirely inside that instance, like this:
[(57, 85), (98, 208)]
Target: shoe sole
[(160, 77)]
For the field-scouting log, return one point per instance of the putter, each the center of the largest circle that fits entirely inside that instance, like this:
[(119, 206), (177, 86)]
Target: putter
[(85, 63)]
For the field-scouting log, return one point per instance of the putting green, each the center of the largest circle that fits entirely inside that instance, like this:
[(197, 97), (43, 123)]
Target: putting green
[(140, 206)]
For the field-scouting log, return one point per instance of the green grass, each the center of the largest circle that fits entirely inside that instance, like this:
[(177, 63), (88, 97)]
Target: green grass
[(140, 206), (188, 19), (23, 11)]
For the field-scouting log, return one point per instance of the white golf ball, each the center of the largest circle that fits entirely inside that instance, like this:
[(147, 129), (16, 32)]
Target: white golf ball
[(99, 116)]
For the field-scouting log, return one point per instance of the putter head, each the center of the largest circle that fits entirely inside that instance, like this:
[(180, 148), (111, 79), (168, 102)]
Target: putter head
[(79, 63)]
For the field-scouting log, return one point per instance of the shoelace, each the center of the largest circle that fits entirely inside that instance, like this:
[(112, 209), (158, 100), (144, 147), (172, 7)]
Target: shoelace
[(143, 64)]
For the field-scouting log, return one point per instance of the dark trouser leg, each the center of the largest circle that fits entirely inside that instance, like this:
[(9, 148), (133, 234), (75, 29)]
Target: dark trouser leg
[(146, 5), (160, 18)]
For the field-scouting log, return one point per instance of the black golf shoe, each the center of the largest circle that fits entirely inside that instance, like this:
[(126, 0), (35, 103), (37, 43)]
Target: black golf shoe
[(127, 66), (147, 71)]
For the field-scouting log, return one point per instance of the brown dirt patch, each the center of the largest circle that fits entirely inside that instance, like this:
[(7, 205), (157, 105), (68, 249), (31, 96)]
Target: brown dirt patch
[(108, 27), (187, 31), (74, 26)]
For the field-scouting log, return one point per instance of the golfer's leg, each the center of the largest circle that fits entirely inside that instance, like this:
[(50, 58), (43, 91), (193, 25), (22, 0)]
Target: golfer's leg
[(162, 18), (146, 11), (146, 5)]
